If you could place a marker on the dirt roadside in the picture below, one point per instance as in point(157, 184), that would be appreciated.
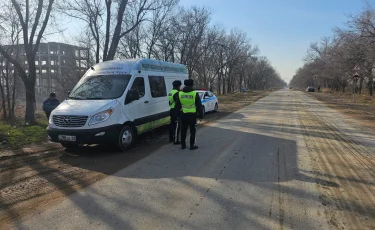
point(35, 177)
point(362, 110)
point(342, 159)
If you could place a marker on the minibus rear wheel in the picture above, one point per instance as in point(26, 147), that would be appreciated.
point(126, 138)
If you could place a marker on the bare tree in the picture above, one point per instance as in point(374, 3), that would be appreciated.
point(156, 26)
point(160, 30)
point(8, 76)
point(92, 13)
point(109, 21)
point(332, 60)
point(33, 17)
point(191, 26)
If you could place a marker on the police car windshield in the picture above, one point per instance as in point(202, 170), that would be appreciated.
point(201, 94)
point(100, 87)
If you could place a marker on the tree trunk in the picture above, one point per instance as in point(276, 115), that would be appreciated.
point(116, 32)
point(15, 73)
point(13, 115)
point(371, 84)
point(150, 49)
point(30, 102)
point(3, 101)
point(4, 91)
point(224, 86)
point(228, 85)
point(240, 81)
point(97, 53)
point(190, 72)
point(172, 53)
point(360, 85)
point(7, 88)
point(219, 84)
point(205, 82)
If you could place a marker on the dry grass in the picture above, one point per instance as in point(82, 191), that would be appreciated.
point(326, 90)
point(235, 97)
point(362, 108)
point(348, 97)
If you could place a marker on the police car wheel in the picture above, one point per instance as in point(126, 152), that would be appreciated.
point(216, 107)
point(203, 110)
point(126, 138)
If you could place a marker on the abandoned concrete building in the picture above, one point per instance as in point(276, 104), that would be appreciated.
point(59, 66)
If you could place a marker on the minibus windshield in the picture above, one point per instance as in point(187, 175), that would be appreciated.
point(100, 87)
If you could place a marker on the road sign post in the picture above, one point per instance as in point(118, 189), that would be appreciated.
point(356, 76)
point(355, 79)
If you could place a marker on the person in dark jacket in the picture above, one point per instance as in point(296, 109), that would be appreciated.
point(174, 126)
point(189, 102)
point(50, 104)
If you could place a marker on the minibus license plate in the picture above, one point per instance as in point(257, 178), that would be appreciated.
point(67, 138)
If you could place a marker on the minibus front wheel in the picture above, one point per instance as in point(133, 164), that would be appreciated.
point(126, 138)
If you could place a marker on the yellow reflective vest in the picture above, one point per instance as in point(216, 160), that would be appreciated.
point(187, 100)
point(171, 94)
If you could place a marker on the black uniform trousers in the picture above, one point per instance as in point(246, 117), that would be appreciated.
point(48, 114)
point(174, 126)
point(188, 120)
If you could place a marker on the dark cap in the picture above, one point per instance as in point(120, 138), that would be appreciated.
point(189, 82)
point(52, 94)
point(177, 83)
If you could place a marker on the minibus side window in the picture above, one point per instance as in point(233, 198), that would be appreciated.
point(139, 85)
point(157, 86)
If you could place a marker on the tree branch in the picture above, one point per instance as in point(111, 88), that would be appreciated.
point(43, 28)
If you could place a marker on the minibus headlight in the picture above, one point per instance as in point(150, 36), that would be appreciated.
point(50, 121)
point(101, 117)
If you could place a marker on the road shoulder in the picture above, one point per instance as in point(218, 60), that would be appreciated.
point(363, 110)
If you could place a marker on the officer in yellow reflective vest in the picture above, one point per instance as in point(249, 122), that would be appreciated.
point(191, 107)
point(174, 126)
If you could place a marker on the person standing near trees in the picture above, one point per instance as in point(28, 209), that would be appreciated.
point(50, 104)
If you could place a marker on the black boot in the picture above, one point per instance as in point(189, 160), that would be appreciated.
point(194, 147)
point(177, 142)
point(183, 146)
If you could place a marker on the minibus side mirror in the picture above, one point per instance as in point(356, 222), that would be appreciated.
point(133, 95)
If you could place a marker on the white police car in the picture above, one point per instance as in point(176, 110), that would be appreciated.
point(209, 101)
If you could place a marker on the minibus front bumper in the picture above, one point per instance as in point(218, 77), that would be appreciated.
point(85, 136)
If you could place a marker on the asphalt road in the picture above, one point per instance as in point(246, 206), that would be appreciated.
point(285, 162)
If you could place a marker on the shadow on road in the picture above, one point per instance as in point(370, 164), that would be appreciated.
point(262, 161)
point(241, 148)
point(109, 159)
